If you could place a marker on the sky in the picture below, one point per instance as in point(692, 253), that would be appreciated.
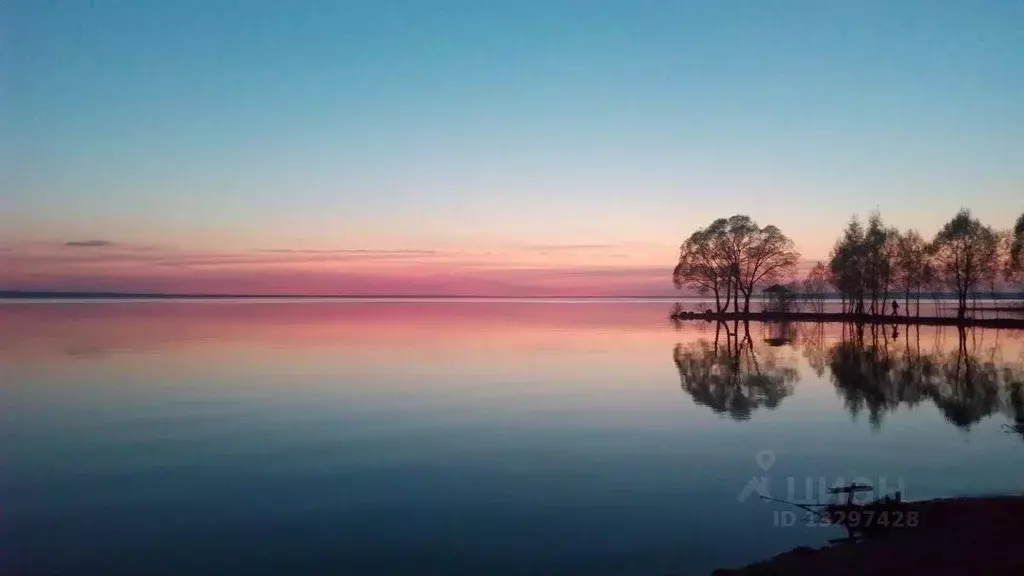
point(503, 148)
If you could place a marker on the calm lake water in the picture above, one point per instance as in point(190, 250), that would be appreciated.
point(440, 437)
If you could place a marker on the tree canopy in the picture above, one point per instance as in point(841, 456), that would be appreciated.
point(732, 257)
point(966, 255)
point(1015, 260)
point(870, 264)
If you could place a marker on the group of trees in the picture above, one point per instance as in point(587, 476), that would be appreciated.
point(733, 257)
point(869, 265)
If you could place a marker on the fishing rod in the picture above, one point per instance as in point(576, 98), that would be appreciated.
point(807, 507)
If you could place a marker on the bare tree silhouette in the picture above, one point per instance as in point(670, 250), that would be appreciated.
point(966, 255)
point(735, 256)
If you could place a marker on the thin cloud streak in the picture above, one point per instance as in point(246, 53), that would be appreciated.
point(89, 244)
point(346, 251)
point(334, 272)
point(568, 247)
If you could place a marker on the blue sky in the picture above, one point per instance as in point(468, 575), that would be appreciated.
point(469, 125)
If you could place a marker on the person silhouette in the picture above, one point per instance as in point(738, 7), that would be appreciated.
point(895, 308)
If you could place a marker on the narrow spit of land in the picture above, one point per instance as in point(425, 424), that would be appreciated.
point(1015, 321)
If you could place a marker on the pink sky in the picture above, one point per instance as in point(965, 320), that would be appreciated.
point(311, 152)
point(514, 270)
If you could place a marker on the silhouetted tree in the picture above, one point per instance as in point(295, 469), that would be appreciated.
point(911, 260)
point(815, 287)
point(761, 256)
point(705, 265)
point(736, 256)
point(878, 255)
point(965, 253)
point(1014, 267)
point(846, 266)
point(932, 281)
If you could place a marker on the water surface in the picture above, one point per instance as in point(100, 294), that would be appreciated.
point(467, 437)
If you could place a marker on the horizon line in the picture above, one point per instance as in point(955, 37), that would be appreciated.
point(40, 294)
point(54, 294)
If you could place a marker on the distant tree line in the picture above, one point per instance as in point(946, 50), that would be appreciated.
point(869, 265)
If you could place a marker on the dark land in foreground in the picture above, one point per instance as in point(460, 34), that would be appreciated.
point(949, 536)
point(1015, 318)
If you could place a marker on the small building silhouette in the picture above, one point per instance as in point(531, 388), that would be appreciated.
point(778, 298)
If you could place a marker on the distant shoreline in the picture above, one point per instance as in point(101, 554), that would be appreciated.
point(54, 295)
point(32, 295)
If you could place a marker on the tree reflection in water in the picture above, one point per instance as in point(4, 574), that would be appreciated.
point(733, 377)
point(812, 343)
point(877, 373)
point(875, 369)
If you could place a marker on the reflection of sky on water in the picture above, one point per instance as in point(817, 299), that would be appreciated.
point(468, 436)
